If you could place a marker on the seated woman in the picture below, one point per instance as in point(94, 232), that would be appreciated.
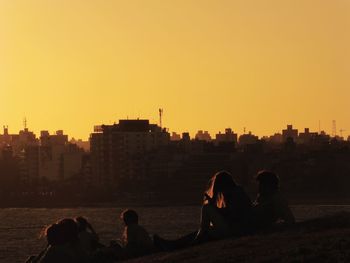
point(225, 211)
point(270, 207)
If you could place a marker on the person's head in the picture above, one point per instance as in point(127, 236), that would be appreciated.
point(82, 223)
point(53, 235)
point(69, 230)
point(268, 182)
point(221, 184)
point(130, 217)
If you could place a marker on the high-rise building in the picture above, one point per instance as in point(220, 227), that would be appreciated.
point(118, 150)
point(290, 133)
point(175, 136)
point(228, 136)
point(203, 136)
point(249, 138)
point(307, 136)
point(59, 159)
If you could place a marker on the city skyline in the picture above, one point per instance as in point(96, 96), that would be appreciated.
point(259, 65)
point(340, 133)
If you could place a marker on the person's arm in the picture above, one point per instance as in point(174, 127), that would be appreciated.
point(209, 199)
point(89, 226)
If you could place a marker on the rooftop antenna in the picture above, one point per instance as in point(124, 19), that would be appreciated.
point(334, 128)
point(25, 123)
point(160, 117)
point(319, 126)
point(244, 130)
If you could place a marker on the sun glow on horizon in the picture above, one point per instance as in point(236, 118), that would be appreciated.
point(73, 64)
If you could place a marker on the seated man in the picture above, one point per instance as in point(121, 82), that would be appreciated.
point(136, 241)
point(270, 206)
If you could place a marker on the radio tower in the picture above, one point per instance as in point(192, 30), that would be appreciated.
point(25, 123)
point(160, 117)
point(334, 128)
point(319, 127)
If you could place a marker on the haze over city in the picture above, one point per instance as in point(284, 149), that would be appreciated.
point(261, 65)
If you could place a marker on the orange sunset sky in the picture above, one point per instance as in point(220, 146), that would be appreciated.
point(72, 64)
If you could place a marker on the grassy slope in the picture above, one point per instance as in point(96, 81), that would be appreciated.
point(320, 240)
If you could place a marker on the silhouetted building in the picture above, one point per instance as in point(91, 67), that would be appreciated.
point(186, 136)
point(290, 133)
point(9, 170)
point(307, 136)
point(29, 164)
point(175, 137)
point(52, 149)
point(276, 138)
point(85, 145)
point(5, 139)
point(185, 142)
point(228, 136)
point(72, 158)
point(20, 141)
point(249, 138)
point(117, 151)
point(203, 136)
point(58, 139)
point(6, 153)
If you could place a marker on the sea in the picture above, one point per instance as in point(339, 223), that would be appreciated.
point(21, 228)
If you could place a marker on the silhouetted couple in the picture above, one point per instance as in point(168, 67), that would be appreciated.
point(228, 211)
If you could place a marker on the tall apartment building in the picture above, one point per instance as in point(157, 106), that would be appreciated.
point(118, 150)
point(228, 136)
point(203, 136)
point(290, 133)
point(59, 159)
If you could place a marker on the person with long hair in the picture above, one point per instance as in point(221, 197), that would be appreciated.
point(226, 208)
point(225, 212)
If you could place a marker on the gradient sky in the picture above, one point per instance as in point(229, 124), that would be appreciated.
point(71, 64)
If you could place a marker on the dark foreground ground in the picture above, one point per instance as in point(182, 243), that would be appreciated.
point(319, 240)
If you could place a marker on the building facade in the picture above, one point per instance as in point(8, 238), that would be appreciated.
point(118, 150)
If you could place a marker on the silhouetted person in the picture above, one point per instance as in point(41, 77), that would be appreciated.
point(225, 213)
point(225, 208)
point(53, 237)
point(87, 236)
point(270, 206)
point(64, 245)
point(136, 240)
